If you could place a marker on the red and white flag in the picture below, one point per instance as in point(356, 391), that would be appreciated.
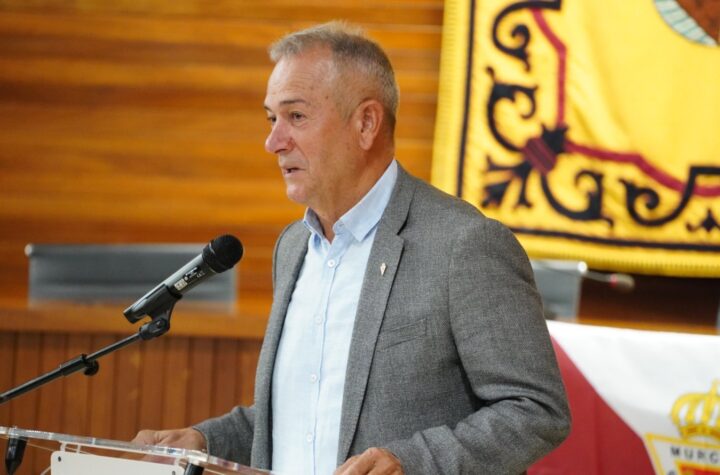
point(642, 402)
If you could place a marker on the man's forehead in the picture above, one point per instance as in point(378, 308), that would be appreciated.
point(300, 77)
point(285, 103)
point(291, 90)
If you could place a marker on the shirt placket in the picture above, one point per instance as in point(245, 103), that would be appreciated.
point(332, 256)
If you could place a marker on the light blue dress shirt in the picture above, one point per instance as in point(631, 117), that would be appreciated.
point(309, 373)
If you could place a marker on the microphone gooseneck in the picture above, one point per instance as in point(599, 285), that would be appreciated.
point(615, 280)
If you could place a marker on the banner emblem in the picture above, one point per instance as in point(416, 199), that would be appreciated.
point(590, 128)
point(697, 452)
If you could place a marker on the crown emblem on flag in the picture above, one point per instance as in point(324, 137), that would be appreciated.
point(698, 414)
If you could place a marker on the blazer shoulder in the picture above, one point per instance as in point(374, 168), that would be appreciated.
point(434, 205)
point(292, 231)
point(293, 236)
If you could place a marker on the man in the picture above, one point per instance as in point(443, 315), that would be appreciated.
point(406, 334)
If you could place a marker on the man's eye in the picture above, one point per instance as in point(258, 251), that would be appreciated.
point(296, 116)
point(272, 120)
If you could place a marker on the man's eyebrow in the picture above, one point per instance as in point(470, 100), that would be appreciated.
point(287, 102)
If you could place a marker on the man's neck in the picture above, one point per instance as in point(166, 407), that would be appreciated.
point(327, 229)
point(328, 218)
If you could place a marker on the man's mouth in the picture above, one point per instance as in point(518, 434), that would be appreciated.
point(290, 170)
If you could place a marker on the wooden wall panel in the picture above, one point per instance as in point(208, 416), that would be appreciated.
point(128, 398)
point(134, 121)
point(26, 363)
point(52, 395)
point(126, 121)
point(154, 374)
point(200, 380)
point(225, 376)
point(101, 404)
point(164, 383)
point(7, 356)
point(75, 413)
point(175, 395)
point(248, 354)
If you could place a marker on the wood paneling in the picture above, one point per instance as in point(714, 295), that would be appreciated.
point(165, 383)
point(142, 121)
point(128, 121)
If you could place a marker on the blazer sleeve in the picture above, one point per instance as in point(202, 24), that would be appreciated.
point(506, 353)
point(230, 436)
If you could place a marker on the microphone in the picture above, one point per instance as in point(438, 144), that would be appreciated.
point(617, 281)
point(221, 254)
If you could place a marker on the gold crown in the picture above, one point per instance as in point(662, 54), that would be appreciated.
point(698, 414)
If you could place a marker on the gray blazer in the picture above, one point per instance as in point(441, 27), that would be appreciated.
point(450, 367)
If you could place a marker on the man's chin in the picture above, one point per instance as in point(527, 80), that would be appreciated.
point(296, 195)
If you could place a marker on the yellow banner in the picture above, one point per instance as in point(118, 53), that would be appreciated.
point(590, 128)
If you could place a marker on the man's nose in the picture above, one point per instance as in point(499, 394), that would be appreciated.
point(279, 138)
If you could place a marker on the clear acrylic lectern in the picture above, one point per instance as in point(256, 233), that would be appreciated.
point(73, 455)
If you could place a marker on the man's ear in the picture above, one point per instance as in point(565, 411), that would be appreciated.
point(369, 117)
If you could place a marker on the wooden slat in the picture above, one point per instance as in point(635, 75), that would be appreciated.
point(128, 397)
point(189, 319)
point(52, 396)
point(225, 376)
point(200, 380)
point(313, 12)
point(77, 390)
point(248, 354)
point(187, 31)
point(166, 39)
point(153, 372)
point(174, 408)
point(8, 341)
point(101, 405)
point(26, 367)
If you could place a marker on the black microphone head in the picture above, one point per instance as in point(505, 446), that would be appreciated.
point(222, 253)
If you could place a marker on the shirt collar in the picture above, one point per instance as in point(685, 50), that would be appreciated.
point(362, 218)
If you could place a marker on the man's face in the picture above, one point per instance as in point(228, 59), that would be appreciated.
point(309, 135)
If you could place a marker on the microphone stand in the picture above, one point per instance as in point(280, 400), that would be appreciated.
point(159, 325)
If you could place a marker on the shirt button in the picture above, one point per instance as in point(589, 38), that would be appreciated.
point(318, 320)
point(309, 437)
point(313, 378)
point(331, 263)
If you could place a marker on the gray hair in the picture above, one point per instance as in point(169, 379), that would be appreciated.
point(351, 50)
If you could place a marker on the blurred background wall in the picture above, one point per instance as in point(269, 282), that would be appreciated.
point(142, 121)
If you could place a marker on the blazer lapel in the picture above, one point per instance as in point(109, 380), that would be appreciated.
point(379, 276)
point(290, 254)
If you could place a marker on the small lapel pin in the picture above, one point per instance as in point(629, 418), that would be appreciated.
point(383, 266)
